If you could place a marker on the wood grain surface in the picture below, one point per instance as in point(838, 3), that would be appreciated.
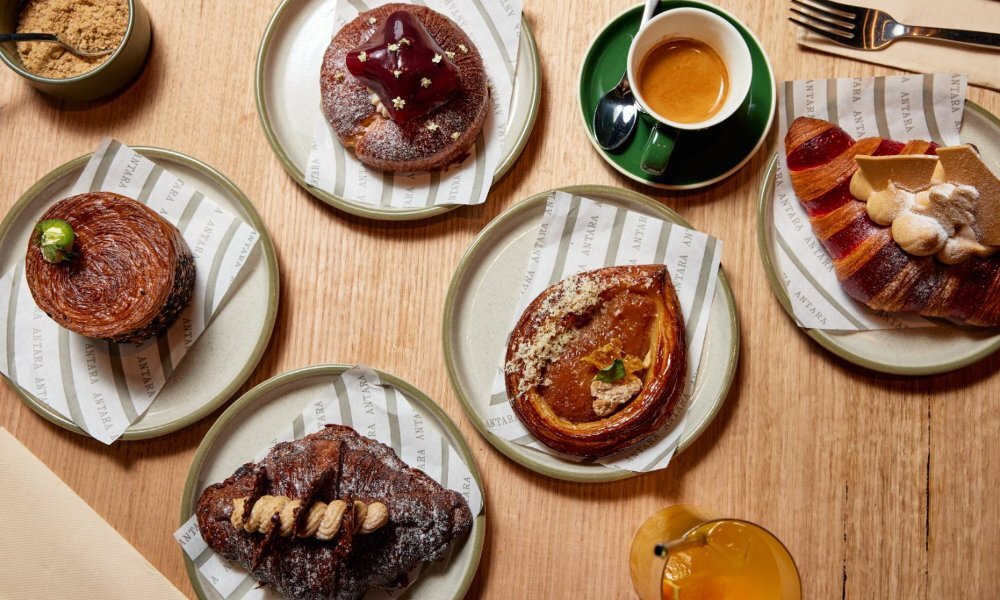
point(882, 487)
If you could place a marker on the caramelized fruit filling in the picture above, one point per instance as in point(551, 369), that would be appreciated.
point(626, 320)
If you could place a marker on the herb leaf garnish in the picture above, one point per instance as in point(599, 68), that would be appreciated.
point(612, 373)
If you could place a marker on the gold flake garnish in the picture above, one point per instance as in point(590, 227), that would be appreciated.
point(463, 48)
point(338, 76)
point(432, 126)
point(425, 82)
point(455, 135)
point(372, 20)
point(436, 59)
point(398, 102)
point(404, 41)
point(392, 48)
point(397, 73)
point(362, 56)
point(450, 53)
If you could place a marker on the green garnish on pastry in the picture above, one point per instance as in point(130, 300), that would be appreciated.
point(55, 238)
point(612, 373)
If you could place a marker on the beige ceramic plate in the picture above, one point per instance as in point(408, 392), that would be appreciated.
point(227, 352)
point(250, 424)
point(288, 100)
point(922, 351)
point(480, 306)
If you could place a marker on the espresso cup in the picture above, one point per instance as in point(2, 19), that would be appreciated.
point(709, 29)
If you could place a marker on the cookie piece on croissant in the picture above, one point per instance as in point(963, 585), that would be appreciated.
point(871, 266)
point(333, 464)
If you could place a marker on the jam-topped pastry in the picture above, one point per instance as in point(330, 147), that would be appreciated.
point(909, 226)
point(106, 266)
point(405, 88)
point(405, 67)
point(597, 361)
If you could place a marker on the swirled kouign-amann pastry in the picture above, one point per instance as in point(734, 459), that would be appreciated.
point(910, 226)
point(597, 362)
point(105, 266)
point(405, 88)
point(331, 516)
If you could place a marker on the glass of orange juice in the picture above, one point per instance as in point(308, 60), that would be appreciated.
point(685, 553)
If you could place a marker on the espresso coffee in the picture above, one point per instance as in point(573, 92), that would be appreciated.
point(683, 80)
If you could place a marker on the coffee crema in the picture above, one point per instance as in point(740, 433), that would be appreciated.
point(683, 80)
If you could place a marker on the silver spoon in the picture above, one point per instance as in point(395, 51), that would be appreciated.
point(616, 113)
point(49, 37)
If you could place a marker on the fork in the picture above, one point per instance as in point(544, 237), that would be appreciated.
point(48, 37)
point(871, 29)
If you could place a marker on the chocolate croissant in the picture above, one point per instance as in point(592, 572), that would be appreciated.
point(331, 516)
point(871, 266)
point(126, 277)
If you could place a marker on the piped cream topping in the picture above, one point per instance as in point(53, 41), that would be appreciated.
point(929, 214)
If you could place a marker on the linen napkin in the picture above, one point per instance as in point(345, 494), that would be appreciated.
point(982, 65)
point(55, 546)
point(579, 234)
point(495, 28)
point(359, 399)
point(104, 387)
point(911, 107)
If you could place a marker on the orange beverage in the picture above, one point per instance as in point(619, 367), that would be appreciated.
point(702, 557)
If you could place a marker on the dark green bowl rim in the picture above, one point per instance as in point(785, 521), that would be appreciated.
point(57, 81)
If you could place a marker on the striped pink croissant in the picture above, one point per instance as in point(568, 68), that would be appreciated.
point(871, 267)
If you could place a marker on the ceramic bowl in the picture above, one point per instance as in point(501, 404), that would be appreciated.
point(109, 77)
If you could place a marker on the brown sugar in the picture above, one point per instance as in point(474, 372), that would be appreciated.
point(90, 25)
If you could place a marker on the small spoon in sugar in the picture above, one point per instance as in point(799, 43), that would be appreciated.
point(50, 37)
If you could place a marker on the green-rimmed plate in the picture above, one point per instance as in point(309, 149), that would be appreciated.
point(251, 423)
point(700, 158)
point(920, 351)
point(227, 352)
point(480, 309)
point(288, 100)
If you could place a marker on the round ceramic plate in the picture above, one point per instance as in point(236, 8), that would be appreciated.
point(215, 367)
point(921, 351)
point(700, 158)
point(251, 423)
point(479, 310)
point(288, 100)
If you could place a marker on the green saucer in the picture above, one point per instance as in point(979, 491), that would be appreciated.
point(700, 158)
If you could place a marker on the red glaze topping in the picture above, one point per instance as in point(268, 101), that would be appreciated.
point(889, 148)
point(405, 67)
point(819, 149)
point(831, 200)
point(847, 239)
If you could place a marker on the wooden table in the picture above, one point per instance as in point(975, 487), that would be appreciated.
point(882, 487)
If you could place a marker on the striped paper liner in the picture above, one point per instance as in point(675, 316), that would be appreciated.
point(909, 107)
point(101, 386)
point(579, 234)
point(495, 28)
point(359, 399)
